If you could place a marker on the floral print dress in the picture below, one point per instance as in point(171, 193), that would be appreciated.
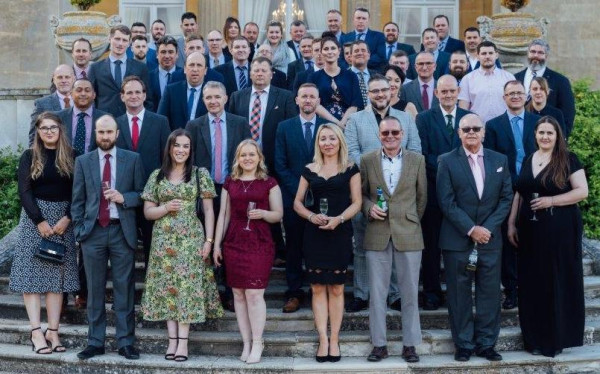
point(179, 285)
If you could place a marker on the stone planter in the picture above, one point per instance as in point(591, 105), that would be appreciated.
point(94, 26)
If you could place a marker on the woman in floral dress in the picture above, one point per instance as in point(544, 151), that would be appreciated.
point(180, 286)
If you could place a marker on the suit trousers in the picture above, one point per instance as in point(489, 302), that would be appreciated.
point(480, 331)
point(361, 275)
point(104, 244)
point(380, 265)
point(145, 233)
point(294, 238)
point(509, 263)
point(432, 254)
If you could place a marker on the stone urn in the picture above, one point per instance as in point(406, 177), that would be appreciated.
point(94, 26)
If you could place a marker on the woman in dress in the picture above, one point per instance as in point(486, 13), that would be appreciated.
point(180, 285)
point(547, 230)
point(282, 53)
point(231, 30)
point(45, 182)
point(334, 182)
point(396, 77)
point(539, 91)
point(338, 88)
point(250, 203)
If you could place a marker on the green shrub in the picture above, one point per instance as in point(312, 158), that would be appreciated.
point(10, 205)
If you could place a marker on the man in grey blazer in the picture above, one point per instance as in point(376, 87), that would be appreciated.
point(362, 136)
point(104, 222)
point(420, 91)
point(393, 236)
point(474, 192)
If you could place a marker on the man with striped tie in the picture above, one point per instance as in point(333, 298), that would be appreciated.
point(81, 53)
point(237, 71)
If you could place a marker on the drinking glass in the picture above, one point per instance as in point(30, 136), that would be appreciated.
point(106, 187)
point(251, 206)
point(534, 195)
point(323, 205)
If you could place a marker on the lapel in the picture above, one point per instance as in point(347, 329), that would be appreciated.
point(371, 121)
point(508, 128)
point(489, 171)
point(244, 104)
point(127, 133)
point(205, 134)
point(106, 70)
point(406, 166)
point(270, 104)
point(466, 167)
point(439, 121)
point(121, 161)
point(94, 165)
point(146, 130)
point(528, 133)
point(69, 125)
point(376, 165)
point(184, 99)
point(298, 133)
point(414, 87)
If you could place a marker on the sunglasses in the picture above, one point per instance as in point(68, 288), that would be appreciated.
point(388, 132)
point(469, 129)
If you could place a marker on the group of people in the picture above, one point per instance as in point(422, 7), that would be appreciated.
point(205, 158)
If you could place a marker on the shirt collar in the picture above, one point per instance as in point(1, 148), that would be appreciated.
point(387, 158)
point(112, 152)
point(444, 113)
point(61, 96)
point(236, 65)
point(189, 86)
point(356, 70)
point(539, 72)
point(479, 152)
point(140, 115)
point(312, 120)
point(211, 118)
point(520, 115)
point(88, 111)
point(445, 40)
point(113, 58)
point(265, 90)
point(164, 72)
point(429, 84)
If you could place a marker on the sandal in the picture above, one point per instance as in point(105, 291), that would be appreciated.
point(39, 350)
point(170, 356)
point(181, 358)
point(58, 348)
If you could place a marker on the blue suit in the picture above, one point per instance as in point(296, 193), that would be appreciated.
point(177, 76)
point(452, 45)
point(442, 65)
point(376, 42)
point(151, 59)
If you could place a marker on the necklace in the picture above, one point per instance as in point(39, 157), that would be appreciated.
point(543, 161)
point(244, 187)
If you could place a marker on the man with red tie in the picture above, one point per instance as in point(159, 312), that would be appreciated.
point(82, 55)
point(420, 91)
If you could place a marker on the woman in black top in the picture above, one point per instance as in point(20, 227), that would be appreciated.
point(45, 181)
point(539, 91)
point(396, 77)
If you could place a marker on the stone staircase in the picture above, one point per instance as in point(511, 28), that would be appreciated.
point(290, 340)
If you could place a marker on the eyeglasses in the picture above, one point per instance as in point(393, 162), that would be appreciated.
point(515, 94)
point(469, 129)
point(388, 132)
point(425, 63)
point(377, 91)
point(47, 130)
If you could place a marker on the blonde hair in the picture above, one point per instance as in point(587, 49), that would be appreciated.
point(64, 152)
point(261, 168)
point(343, 158)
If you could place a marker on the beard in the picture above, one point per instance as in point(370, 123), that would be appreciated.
point(458, 74)
point(536, 65)
point(106, 145)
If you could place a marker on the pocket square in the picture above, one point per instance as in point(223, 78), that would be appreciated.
point(276, 107)
point(499, 170)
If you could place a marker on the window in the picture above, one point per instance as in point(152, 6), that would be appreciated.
point(145, 11)
point(413, 16)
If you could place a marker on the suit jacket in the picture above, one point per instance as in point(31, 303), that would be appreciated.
point(292, 155)
point(229, 75)
point(280, 106)
point(173, 104)
point(177, 76)
point(299, 80)
point(87, 189)
point(435, 141)
point(406, 204)
point(237, 130)
point(561, 95)
point(108, 95)
point(441, 66)
point(66, 116)
point(279, 79)
point(48, 103)
point(376, 42)
point(362, 133)
point(460, 204)
point(499, 138)
point(292, 46)
point(227, 57)
point(151, 59)
point(452, 45)
point(151, 142)
point(294, 68)
point(411, 92)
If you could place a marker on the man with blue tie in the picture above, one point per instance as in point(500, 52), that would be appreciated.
point(374, 39)
point(360, 57)
point(334, 24)
point(304, 63)
point(167, 72)
point(392, 33)
point(447, 43)
point(237, 71)
point(431, 42)
point(297, 32)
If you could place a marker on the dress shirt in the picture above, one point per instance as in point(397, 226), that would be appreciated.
point(472, 61)
point(140, 117)
point(211, 58)
point(430, 89)
point(529, 76)
point(312, 120)
point(114, 213)
point(162, 77)
point(481, 166)
point(197, 96)
point(443, 43)
point(123, 60)
point(224, 164)
point(88, 125)
point(484, 91)
point(264, 97)
point(152, 45)
point(61, 99)
point(392, 168)
point(520, 152)
point(236, 73)
point(452, 113)
point(366, 75)
point(78, 71)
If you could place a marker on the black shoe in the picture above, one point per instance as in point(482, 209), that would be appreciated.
point(536, 351)
point(396, 305)
point(510, 302)
point(90, 351)
point(462, 354)
point(490, 354)
point(335, 358)
point(378, 354)
point(129, 352)
point(430, 304)
point(357, 305)
point(409, 354)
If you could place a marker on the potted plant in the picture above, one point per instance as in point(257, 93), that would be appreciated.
point(513, 5)
point(84, 5)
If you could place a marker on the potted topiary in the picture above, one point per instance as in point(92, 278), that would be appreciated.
point(84, 5)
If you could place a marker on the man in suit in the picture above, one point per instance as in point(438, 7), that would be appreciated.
point(438, 132)
point(81, 53)
point(459, 65)
point(472, 39)
point(304, 63)
point(104, 223)
point(374, 39)
point(188, 26)
point(297, 32)
point(145, 133)
point(392, 32)
point(561, 94)
point(139, 51)
point(431, 44)
point(215, 55)
point(166, 72)
point(447, 43)
point(302, 77)
point(512, 134)
point(279, 78)
point(334, 24)
point(107, 75)
point(360, 58)
point(474, 193)
point(294, 148)
point(362, 137)
point(237, 71)
point(251, 31)
point(393, 237)
point(420, 91)
point(158, 29)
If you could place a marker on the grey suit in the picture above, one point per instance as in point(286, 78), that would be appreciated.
point(47, 103)
point(463, 209)
point(116, 241)
point(411, 92)
point(66, 116)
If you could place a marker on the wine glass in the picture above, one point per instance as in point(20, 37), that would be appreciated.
point(534, 196)
point(251, 206)
point(106, 187)
point(323, 205)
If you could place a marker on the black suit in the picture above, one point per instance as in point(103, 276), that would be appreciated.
point(173, 104)
point(66, 116)
point(294, 68)
point(292, 46)
point(279, 79)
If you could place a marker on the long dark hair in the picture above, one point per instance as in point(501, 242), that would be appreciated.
point(167, 163)
point(64, 153)
point(557, 170)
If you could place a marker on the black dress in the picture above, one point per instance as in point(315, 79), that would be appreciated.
point(327, 253)
point(551, 299)
point(400, 105)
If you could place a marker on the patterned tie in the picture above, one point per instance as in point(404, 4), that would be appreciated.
point(477, 174)
point(242, 77)
point(363, 87)
point(442, 46)
point(425, 97)
point(255, 117)
point(390, 51)
point(449, 125)
point(360, 36)
point(118, 74)
point(309, 65)
point(308, 134)
point(518, 135)
point(190, 103)
point(79, 141)
point(218, 150)
point(534, 74)
point(215, 62)
point(135, 133)
point(83, 74)
point(67, 102)
point(104, 214)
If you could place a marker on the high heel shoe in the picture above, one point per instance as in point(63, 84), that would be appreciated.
point(170, 356)
point(245, 352)
point(255, 358)
point(59, 348)
point(39, 350)
point(180, 358)
point(321, 359)
point(335, 358)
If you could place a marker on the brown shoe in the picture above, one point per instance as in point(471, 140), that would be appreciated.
point(409, 354)
point(279, 263)
point(291, 305)
point(80, 302)
point(378, 354)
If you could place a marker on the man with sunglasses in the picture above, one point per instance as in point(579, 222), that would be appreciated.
point(474, 192)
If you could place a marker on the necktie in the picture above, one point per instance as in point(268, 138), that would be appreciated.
point(363, 87)
point(67, 102)
point(168, 78)
point(442, 46)
point(360, 36)
point(308, 134)
point(135, 133)
point(534, 74)
point(477, 174)
point(389, 52)
point(242, 77)
point(449, 125)
point(518, 135)
point(309, 65)
point(255, 117)
point(83, 74)
point(118, 74)
point(215, 62)
point(218, 150)
point(191, 102)
point(104, 214)
point(79, 140)
point(425, 97)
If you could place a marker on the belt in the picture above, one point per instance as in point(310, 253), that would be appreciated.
point(112, 221)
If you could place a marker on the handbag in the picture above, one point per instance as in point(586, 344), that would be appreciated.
point(199, 203)
point(51, 252)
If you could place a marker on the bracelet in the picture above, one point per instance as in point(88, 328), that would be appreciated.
point(310, 216)
point(342, 218)
point(210, 240)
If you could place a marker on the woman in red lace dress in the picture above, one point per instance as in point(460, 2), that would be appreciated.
point(252, 202)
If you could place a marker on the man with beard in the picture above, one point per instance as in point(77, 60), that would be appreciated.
point(391, 32)
point(81, 53)
point(561, 94)
point(362, 136)
point(104, 223)
point(157, 30)
point(237, 71)
point(139, 51)
point(188, 26)
point(458, 65)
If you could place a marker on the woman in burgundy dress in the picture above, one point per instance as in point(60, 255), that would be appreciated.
point(252, 202)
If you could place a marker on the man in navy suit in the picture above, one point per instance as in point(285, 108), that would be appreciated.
point(512, 134)
point(81, 53)
point(561, 94)
point(294, 148)
point(392, 33)
point(167, 72)
point(188, 26)
point(420, 91)
point(304, 63)
point(431, 43)
point(215, 55)
point(374, 39)
point(302, 77)
point(447, 43)
point(279, 77)
point(297, 32)
point(107, 75)
point(236, 72)
point(334, 24)
point(438, 129)
point(139, 51)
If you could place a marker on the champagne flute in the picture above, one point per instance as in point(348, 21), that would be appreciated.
point(106, 187)
point(251, 206)
point(323, 206)
point(534, 196)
